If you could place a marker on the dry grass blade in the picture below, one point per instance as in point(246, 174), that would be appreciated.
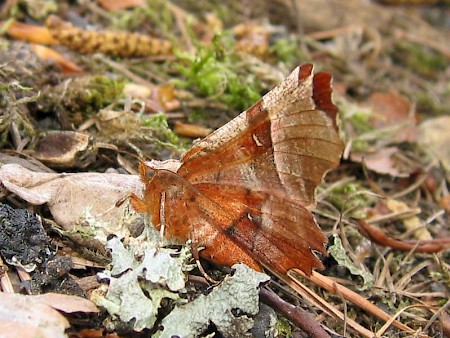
point(325, 306)
point(349, 295)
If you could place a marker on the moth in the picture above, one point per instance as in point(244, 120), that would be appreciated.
point(245, 192)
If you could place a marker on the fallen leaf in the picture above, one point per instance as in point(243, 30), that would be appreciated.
point(65, 303)
point(45, 53)
point(444, 320)
point(383, 161)
point(392, 108)
point(434, 137)
point(412, 224)
point(445, 203)
point(65, 149)
point(31, 33)
point(137, 90)
point(68, 196)
point(190, 130)
point(116, 5)
point(252, 38)
point(20, 314)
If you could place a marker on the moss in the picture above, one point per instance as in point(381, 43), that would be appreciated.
point(213, 73)
point(85, 95)
point(287, 51)
point(14, 99)
point(196, 116)
point(92, 93)
point(428, 105)
point(284, 328)
point(160, 127)
point(351, 197)
point(420, 59)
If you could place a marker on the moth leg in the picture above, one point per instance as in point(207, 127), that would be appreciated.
point(195, 250)
point(162, 218)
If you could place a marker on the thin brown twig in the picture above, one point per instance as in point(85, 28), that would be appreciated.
point(299, 317)
point(5, 281)
point(350, 295)
point(424, 246)
point(322, 304)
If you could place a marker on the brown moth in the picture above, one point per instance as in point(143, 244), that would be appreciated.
point(245, 192)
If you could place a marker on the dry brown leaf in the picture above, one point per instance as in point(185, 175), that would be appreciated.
point(445, 203)
point(31, 33)
point(382, 161)
point(164, 97)
point(22, 316)
point(117, 5)
point(391, 109)
point(444, 320)
point(434, 136)
point(191, 130)
point(252, 39)
point(137, 90)
point(65, 149)
point(65, 303)
point(45, 53)
point(68, 196)
point(412, 224)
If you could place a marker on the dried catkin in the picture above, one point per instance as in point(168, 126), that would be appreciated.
point(123, 44)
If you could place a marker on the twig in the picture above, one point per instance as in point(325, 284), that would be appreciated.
point(437, 314)
point(299, 317)
point(307, 294)
point(392, 319)
point(120, 68)
point(423, 246)
point(5, 282)
point(348, 294)
point(394, 216)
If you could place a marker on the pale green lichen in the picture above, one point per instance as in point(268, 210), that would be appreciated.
point(158, 269)
point(339, 254)
point(237, 293)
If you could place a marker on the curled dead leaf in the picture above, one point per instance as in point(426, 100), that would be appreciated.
point(68, 196)
point(434, 136)
point(191, 130)
point(66, 149)
point(46, 53)
point(31, 33)
point(117, 5)
point(390, 109)
point(384, 161)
